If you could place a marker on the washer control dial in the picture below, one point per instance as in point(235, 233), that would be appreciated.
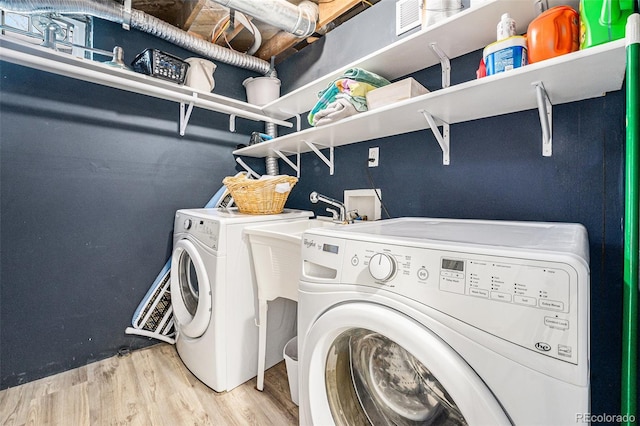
point(382, 266)
point(187, 224)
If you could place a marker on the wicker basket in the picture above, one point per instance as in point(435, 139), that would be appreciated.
point(259, 196)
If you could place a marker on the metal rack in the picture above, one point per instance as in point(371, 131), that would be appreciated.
point(540, 85)
point(50, 60)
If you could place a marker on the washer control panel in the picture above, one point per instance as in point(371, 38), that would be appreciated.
point(526, 301)
point(204, 230)
point(542, 287)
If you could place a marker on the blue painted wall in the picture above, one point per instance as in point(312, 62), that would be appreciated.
point(90, 180)
point(91, 177)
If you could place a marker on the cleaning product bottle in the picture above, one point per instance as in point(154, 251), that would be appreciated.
point(602, 21)
point(506, 27)
point(554, 32)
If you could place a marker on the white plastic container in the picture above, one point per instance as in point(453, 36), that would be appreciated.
point(200, 74)
point(394, 92)
point(438, 10)
point(506, 27)
point(262, 90)
point(505, 55)
point(290, 353)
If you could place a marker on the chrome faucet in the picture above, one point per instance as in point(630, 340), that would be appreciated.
point(339, 215)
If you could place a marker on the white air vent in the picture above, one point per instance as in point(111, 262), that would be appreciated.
point(407, 15)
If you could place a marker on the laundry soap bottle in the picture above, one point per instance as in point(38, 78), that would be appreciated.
point(508, 52)
point(506, 27)
point(602, 21)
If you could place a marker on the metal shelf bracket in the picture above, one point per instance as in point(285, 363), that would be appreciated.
point(327, 161)
point(298, 123)
point(127, 15)
point(250, 171)
point(295, 166)
point(232, 123)
point(445, 64)
point(186, 114)
point(546, 118)
point(442, 138)
point(296, 115)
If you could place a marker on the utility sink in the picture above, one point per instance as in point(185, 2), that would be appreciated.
point(275, 249)
point(287, 231)
point(275, 254)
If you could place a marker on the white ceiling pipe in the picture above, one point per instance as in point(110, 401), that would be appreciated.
point(300, 20)
point(115, 12)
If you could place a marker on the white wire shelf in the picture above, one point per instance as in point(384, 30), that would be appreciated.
point(462, 33)
point(572, 77)
point(49, 60)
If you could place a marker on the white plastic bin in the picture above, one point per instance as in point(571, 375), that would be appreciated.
point(290, 353)
point(262, 90)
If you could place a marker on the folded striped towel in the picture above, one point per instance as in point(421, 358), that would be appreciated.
point(365, 76)
point(352, 85)
point(337, 110)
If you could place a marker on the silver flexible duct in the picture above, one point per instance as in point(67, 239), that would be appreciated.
point(108, 10)
point(115, 12)
point(152, 25)
point(271, 163)
point(300, 20)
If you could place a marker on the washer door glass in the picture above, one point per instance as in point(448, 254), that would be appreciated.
point(188, 279)
point(190, 290)
point(364, 363)
point(373, 380)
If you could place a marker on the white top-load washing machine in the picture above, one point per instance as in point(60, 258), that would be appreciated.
point(440, 321)
point(214, 297)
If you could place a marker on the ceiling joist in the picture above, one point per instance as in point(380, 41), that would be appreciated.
point(206, 18)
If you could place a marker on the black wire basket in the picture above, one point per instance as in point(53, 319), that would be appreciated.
point(162, 65)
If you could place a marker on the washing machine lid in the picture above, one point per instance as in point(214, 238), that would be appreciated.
point(366, 363)
point(569, 238)
point(191, 296)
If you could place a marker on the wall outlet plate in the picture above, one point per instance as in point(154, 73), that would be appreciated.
point(374, 157)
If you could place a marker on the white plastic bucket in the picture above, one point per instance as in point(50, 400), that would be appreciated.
point(200, 74)
point(290, 353)
point(262, 90)
point(505, 55)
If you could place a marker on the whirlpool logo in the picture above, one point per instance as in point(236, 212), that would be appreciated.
point(544, 347)
point(309, 243)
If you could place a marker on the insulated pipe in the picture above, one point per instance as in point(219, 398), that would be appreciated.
point(300, 20)
point(271, 163)
point(152, 25)
point(257, 37)
point(111, 11)
point(631, 229)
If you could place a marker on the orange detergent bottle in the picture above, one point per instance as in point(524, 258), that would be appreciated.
point(553, 33)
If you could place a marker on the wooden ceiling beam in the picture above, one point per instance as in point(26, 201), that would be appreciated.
point(190, 11)
point(284, 40)
point(332, 10)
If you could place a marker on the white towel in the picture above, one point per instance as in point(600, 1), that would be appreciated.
point(335, 111)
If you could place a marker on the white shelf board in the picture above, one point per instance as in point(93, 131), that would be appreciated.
point(462, 33)
point(49, 60)
point(579, 75)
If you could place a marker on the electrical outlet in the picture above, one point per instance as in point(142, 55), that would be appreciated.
point(374, 156)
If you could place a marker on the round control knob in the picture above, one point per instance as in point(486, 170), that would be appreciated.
point(187, 224)
point(382, 266)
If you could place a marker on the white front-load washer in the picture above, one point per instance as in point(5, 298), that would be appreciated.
point(214, 297)
point(440, 321)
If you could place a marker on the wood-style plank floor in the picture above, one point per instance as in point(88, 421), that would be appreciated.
point(149, 387)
